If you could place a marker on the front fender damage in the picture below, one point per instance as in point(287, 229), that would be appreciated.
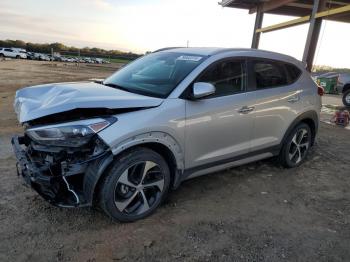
point(156, 137)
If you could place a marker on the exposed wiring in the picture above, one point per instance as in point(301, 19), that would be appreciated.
point(71, 190)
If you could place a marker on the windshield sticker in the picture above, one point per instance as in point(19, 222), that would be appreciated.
point(189, 58)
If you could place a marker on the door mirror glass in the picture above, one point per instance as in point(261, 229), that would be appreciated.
point(202, 89)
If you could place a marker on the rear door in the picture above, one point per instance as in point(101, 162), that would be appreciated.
point(277, 101)
point(218, 127)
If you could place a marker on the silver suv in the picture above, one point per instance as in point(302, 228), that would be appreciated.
point(175, 114)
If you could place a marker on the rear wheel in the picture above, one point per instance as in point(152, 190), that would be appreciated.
point(296, 146)
point(1, 55)
point(18, 57)
point(346, 98)
point(135, 186)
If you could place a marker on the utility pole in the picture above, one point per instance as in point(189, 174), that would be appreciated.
point(52, 55)
point(188, 43)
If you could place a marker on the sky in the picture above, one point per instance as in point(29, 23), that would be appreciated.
point(147, 25)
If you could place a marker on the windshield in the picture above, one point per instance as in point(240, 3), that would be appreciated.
point(155, 74)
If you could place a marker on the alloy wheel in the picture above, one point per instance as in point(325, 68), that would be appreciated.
point(139, 188)
point(347, 98)
point(299, 146)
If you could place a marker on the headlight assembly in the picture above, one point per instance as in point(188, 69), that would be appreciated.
point(73, 135)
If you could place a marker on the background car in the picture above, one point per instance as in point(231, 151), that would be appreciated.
point(12, 53)
point(41, 57)
point(343, 87)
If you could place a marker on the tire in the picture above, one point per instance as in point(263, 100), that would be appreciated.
point(126, 194)
point(18, 57)
point(1, 55)
point(291, 154)
point(346, 98)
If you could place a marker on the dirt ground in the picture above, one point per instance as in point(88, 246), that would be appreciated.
point(257, 212)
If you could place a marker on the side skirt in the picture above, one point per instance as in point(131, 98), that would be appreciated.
point(231, 162)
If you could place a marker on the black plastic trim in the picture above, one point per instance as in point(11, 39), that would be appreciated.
point(274, 150)
point(93, 174)
point(312, 115)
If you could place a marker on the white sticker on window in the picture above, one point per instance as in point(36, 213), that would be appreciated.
point(189, 58)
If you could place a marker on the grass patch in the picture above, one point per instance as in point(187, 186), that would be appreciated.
point(119, 60)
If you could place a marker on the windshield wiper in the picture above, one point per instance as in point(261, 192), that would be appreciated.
point(116, 86)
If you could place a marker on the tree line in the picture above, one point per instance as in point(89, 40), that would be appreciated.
point(67, 50)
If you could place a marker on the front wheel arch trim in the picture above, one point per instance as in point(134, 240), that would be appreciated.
point(346, 88)
point(153, 137)
point(97, 168)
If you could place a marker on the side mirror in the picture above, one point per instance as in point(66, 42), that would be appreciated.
point(202, 89)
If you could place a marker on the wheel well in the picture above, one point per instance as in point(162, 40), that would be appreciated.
point(166, 153)
point(312, 126)
point(346, 88)
point(161, 149)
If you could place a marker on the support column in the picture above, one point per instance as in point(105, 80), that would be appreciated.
point(313, 34)
point(258, 23)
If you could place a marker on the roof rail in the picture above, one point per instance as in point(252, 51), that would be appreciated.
point(167, 48)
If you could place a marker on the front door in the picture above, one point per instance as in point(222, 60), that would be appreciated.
point(219, 127)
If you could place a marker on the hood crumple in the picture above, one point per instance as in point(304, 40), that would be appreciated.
point(43, 100)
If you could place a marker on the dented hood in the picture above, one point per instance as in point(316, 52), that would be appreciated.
point(43, 100)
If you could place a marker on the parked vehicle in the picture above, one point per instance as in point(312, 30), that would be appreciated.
point(12, 53)
point(166, 117)
point(99, 60)
point(41, 57)
point(31, 55)
point(343, 87)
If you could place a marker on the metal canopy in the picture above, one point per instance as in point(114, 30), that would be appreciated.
point(289, 7)
point(307, 11)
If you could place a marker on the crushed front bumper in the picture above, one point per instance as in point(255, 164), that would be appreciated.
point(53, 188)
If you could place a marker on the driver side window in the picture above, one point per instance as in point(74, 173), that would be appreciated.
point(227, 77)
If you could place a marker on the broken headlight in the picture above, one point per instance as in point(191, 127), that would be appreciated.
point(72, 134)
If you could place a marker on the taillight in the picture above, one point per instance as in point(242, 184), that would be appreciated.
point(320, 90)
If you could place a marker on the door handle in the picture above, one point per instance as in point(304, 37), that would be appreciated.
point(294, 99)
point(246, 109)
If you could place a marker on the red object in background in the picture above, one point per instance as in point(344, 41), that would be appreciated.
point(341, 118)
point(320, 90)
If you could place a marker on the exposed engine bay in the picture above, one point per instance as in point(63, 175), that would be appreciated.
point(54, 158)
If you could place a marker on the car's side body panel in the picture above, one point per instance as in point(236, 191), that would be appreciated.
point(212, 130)
point(164, 124)
point(216, 130)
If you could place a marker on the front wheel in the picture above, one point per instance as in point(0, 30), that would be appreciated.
point(296, 146)
point(135, 186)
point(346, 98)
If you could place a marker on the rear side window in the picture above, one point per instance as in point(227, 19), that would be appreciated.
point(8, 50)
point(293, 73)
point(269, 74)
point(227, 77)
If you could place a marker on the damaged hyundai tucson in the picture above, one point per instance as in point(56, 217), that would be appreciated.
point(177, 113)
